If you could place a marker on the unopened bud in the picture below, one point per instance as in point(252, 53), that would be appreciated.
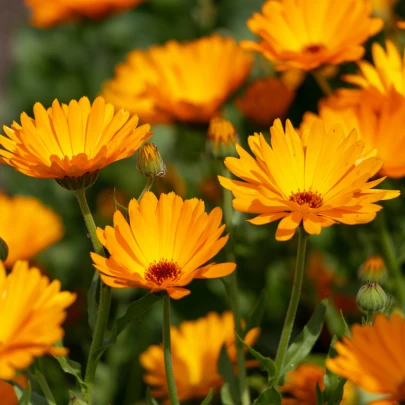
point(150, 163)
point(221, 138)
point(3, 250)
point(371, 298)
point(373, 269)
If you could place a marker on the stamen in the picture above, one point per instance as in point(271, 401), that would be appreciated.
point(158, 272)
point(313, 49)
point(314, 200)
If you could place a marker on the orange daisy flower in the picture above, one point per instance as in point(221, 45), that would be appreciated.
point(296, 34)
point(196, 346)
point(32, 310)
point(373, 358)
point(71, 141)
point(164, 246)
point(318, 184)
point(27, 226)
point(47, 13)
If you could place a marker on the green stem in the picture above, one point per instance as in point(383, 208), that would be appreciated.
point(370, 317)
point(105, 298)
point(294, 300)
point(393, 267)
point(40, 377)
point(233, 291)
point(147, 187)
point(322, 83)
point(168, 352)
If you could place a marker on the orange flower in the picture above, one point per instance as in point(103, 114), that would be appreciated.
point(318, 184)
point(31, 310)
point(47, 13)
point(221, 137)
point(373, 358)
point(265, 100)
point(182, 81)
point(27, 226)
point(164, 247)
point(71, 141)
point(294, 33)
point(373, 270)
point(7, 393)
point(196, 346)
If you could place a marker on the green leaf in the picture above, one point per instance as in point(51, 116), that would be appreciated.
point(92, 307)
point(75, 399)
point(319, 395)
point(23, 395)
point(346, 326)
point(269, 397)
point(226, 398)
point(225, 368)
point(257, 314)
point(149, 398)
point(208, 398)
point(266, 363)
point(305, 341)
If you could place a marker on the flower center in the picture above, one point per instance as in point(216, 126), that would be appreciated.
point(163, 270)
point(313, 49)
point(314, 200)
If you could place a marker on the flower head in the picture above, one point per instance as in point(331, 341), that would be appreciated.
point(31, 310)
point(150, 163)
point(70, 141)
point(265, 100)
point(221, 137)
point(373, 358)
point(294, 33)
point(319, 184)
point(196, 347)
point(373, 269)
point(27, 226)
point(184, 81)
point(371, 298)
point(164, 247)
point(47, 13)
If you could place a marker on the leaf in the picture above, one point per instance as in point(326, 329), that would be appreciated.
point(92, 306)
point(268, 397)
point(208, 398)
point(225, 368)
point(266, 363)
point(226, 398)
point(305, 341)
point(257, 314)
point(319, 395)
point(75, 399)
point(23, 395)
point(149, 398)
point(346, 326)
point(337, 394)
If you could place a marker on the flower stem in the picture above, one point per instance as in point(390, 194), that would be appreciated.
point(370, 317)
point(168, 352)
point(388, 249)
point(105, 298)
point(233, 292)
point(322, 83)
point(40, 377)
point(294, 300)
point(147, 187)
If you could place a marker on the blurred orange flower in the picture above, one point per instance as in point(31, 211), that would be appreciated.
point(27, 226)
point(187, 81)
point(265, 100)
point(32, 310)
point(47, 13)
point(299, 34)
point(318, 184)
point(7, 393)
point(196, 346)
point(373, 358)
point(71, 141)
point(164, 247)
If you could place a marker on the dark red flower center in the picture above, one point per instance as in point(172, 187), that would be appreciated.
point(163, 270)
point(314, 200)
point(313, 49)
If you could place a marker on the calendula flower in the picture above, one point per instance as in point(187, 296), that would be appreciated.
point(373, 269)
point(295, 33)
point(196, 347)
point(187, 81)
point(380, 130)
point(221, 137)
point(7, 393)
point(377, 81)
point(71, 142)
point(373, 358)
point(265, 100)
point(320, 184)
point(47, 13)
point(164, 246)
point(300, 386)
point(32, 310)
point(27, 226)
point(150, 163)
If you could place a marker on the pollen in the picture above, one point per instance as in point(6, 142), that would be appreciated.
point(163, 270)
point(314, 200)
point(313, 49)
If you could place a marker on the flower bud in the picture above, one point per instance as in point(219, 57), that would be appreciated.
point(373, 269)
point(371, 298)
point(3, 250)
point(150, 163)
point(221, 138)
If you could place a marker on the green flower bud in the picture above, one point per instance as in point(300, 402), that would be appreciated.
point(371, 298)
point(150, 163)
point(221, 138)
point(3, 250)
